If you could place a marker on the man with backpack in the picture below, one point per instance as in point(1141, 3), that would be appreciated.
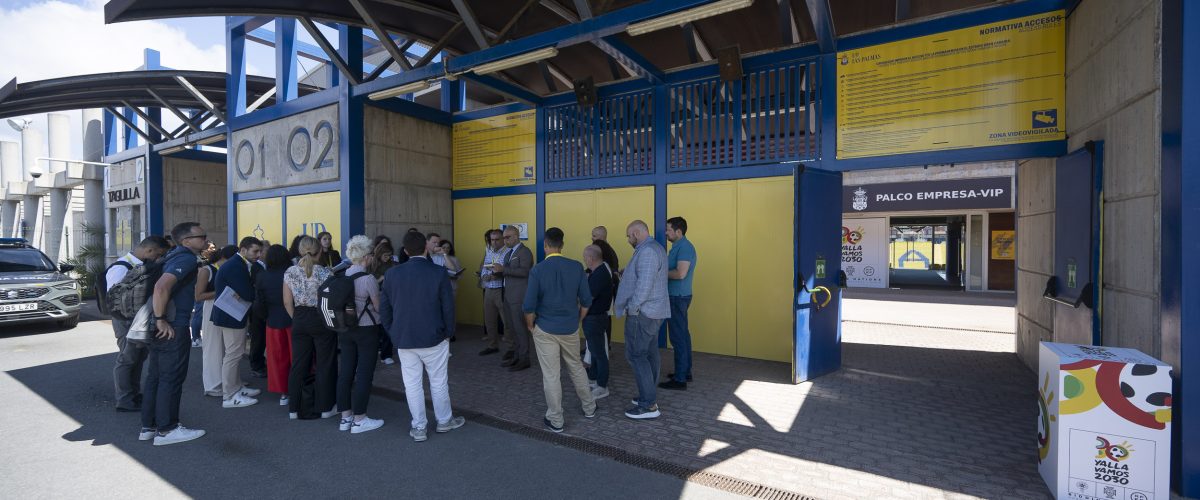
point(127, 374)
point(170, 345)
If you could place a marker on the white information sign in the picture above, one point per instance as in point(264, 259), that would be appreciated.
point(864, 252)
point(1104, 423)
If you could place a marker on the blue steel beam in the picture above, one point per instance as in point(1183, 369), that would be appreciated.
point(286, 78)
point(585, 31)
point(626, 55)
point(337, 60)
point(510, 90)
point(822, 19)
point(468, 18)
point(235, 65)
point(381, 34)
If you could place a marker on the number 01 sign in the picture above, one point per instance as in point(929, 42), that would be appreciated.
point(295, 150)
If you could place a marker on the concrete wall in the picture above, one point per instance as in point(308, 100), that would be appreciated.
point(1113, 86)
point(408, 175)
point(195, 191)
point(931, 173)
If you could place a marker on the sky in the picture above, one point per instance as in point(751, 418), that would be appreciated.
point(49, 39)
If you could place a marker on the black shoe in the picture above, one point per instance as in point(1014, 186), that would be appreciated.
point(258, 374)
point(673, 385)
point(508, 362)
point(453, 339)
point(510, 355)
point(122, 409)
point(550, 427)
point(516, 367)
point(490, 350)
point(672, 377)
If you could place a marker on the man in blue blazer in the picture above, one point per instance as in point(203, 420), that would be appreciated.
point(234, 274)
point(418, 313)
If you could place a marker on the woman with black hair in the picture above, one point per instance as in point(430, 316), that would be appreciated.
point(269, 300)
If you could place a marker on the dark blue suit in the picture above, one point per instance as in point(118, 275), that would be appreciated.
point(418, 304)
point(234, 273)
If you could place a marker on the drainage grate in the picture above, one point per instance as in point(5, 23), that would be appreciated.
point(709, 479)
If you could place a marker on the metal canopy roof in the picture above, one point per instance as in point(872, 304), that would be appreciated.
point(136, 88)
point(459, 26)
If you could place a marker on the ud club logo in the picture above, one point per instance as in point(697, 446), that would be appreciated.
point(860, 200)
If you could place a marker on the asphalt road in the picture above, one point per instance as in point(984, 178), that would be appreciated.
point(61, 438)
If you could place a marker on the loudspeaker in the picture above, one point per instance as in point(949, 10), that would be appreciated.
point(585, 92)
point(729, 61)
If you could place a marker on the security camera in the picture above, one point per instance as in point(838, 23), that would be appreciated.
point(35, 175)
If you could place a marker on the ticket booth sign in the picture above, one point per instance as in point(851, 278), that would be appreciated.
point(1104, 423)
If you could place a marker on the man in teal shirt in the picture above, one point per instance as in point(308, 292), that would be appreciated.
point(681, 266)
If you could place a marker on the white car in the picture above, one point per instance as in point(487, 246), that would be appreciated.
point(33, 289)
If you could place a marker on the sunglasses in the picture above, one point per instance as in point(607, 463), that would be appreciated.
point(202, 236)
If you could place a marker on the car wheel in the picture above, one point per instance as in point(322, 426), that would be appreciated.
point(69, 323)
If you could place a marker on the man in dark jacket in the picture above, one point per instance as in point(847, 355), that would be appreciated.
point(418, 313)
point(234, 275)
point(515, 270)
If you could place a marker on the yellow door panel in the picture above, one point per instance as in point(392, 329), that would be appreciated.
point(517, 209)
point(310, 214)
point(765, 269)
point(262, 219)
point(615, 209)
point(710, 209)
point(471, 218)
point(573, 212)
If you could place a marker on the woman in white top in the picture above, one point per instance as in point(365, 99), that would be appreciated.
point(358, 345)
point(212, 349)
point(310, 338)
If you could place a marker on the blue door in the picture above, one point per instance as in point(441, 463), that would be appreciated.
point(818, 336)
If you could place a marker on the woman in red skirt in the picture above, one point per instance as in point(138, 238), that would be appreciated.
point(279, 323)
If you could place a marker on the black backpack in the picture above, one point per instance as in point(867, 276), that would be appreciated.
point(335, 298)
point(134, 290)
point(101, 285)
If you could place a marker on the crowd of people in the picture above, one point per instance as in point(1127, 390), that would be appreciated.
point(403, 310)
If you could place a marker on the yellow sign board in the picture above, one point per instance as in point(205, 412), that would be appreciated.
point(495, 152)
point(990, 85)
point(1004, 245)
point(310, 214)
point(262, 219)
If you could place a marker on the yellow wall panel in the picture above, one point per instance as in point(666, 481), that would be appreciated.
point(765, 215)
point(615, 209)
point(575, 213)
point(710, 209)
point(262, 219)
point(311, 214)
point(471, 218)
point(517, 209)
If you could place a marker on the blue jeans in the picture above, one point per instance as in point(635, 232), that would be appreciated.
point(681, 336)
point(594, 332)
point(641, 349)
point(197, 320)
point(167, 368)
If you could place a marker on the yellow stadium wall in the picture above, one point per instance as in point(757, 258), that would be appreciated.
point(471, 218)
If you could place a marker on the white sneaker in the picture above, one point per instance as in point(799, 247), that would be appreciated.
point(147, 434)
point(389, 361)
point(177, 435)
point(345, 423)
point(196, 343)
point(293, 416)
point(366, 424)
point(449, 425)
point(599, 392)
point(330, 413)
point(418, 434)
point(238, 401)
point(283, 401)
point(250, 391)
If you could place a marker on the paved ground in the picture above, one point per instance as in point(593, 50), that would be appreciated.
point(923, 411)
point(61, 439)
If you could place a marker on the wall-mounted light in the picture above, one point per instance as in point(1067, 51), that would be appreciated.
point(687, 16)
point(399, 91)
point(512, 62)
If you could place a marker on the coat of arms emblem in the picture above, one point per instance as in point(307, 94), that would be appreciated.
point(860, 200)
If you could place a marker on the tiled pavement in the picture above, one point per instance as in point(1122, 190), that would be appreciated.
point(902, 419)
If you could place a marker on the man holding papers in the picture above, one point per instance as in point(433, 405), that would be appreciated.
point(234, 291)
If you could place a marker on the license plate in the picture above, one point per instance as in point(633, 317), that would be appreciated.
point(4, 308)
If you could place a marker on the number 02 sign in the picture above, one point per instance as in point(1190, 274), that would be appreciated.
point(298, 149)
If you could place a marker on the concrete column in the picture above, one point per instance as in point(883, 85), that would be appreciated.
point(58, 129)
point(32, 146)
point(10, 171)
point(94, 212)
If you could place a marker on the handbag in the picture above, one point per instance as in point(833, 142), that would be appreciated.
point(143, 328)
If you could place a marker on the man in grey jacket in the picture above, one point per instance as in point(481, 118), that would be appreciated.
point(515, 269)
point(642, 299)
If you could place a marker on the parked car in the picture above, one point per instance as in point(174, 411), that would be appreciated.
point(33, 289)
